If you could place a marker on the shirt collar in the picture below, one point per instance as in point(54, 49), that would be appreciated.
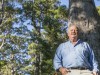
point(78, 41)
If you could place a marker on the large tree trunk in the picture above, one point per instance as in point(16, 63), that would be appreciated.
point(84, 14)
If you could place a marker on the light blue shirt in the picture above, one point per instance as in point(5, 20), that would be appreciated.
point(78, 55)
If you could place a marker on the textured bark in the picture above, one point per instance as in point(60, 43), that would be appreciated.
point(84, 14)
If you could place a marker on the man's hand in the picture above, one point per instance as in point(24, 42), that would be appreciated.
point(95, 73)
point(63, 70)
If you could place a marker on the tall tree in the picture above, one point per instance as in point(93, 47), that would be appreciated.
point(84, 14)
point(46, 17)
point(13, 45)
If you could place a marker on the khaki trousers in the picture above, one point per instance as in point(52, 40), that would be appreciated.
point(79, 72)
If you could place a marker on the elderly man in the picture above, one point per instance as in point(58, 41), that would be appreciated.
point(75, 57)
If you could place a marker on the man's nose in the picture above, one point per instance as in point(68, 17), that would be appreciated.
point(73, 31)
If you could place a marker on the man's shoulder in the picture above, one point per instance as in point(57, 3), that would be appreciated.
point(64, 43)
point(84, 42)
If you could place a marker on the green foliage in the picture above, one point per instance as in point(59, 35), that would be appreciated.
point(46, 40)
point(13, 41)
point(2, 63)
point(98, 9)
point(31, 51)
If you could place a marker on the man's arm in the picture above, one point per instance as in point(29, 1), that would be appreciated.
point(95, 73)
point(93, 61)
point(95, 64)
point(57, 62)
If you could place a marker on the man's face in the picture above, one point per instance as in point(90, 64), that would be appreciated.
point(73, 33)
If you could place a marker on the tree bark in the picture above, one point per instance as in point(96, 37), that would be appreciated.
point(84, 14)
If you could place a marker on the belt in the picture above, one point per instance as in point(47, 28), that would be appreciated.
point(79, 68)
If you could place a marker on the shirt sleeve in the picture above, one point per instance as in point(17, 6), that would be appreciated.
point(57, 62)
point(93, 60)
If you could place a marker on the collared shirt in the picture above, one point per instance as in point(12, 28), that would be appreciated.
point(79, 55)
